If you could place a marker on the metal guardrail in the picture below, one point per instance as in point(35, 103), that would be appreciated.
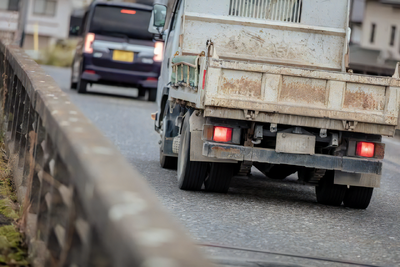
point(84, 205)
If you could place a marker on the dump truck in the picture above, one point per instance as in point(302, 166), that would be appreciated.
point(266, 83)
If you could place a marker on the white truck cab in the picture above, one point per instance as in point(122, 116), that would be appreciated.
point(266, 83)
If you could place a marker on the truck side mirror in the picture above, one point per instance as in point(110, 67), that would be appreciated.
point(157, 21)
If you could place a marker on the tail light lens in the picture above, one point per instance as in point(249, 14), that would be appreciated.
point(158, 51)
point(90, 72)
point(222, 134)
point(128, 11)
point(365, 149)
point(89, 42)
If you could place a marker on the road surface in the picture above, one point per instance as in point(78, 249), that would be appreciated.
point(257, 213)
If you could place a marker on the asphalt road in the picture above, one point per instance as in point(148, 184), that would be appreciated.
point(257, 213)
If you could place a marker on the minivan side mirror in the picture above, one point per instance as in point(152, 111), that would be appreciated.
point(158, 17)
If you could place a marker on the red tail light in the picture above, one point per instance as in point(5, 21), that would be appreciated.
point(365, 149)
point(158, 51)
point(90, 72)
point(222, 134)
point(89, 42)
point(151, 79)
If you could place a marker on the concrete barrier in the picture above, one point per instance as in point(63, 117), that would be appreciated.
point(84, 205)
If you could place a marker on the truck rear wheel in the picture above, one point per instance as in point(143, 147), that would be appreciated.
point(191, 174)
point(329, 193)
point(358, 197)
point(219, 178)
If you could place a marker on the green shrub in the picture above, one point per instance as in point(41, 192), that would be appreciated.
point(59, 55)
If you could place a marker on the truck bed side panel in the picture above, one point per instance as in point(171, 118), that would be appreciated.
point(289, 93)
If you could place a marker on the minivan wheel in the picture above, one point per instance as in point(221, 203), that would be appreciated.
point(73, 85)
point(191, 174)
point(82, 85)
point(152, 95)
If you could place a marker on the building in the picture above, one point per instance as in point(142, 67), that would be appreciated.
point(50, 18)
point(375, 40)
point(8, 18)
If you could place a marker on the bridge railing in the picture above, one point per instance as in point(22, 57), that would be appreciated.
point(84, 205)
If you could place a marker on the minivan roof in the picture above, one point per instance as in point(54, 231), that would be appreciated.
point(120, 4)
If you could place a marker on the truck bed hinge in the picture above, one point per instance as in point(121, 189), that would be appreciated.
point(350, 125)
point(250, 114)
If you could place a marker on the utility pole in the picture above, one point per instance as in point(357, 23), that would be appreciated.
point(23, 13)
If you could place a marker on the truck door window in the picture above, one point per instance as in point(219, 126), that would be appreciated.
point(175, 17)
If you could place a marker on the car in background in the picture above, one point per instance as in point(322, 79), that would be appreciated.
point(116, 48)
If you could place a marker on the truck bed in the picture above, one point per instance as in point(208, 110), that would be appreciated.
point(294, 96)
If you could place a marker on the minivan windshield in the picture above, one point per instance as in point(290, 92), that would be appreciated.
point(121, 22)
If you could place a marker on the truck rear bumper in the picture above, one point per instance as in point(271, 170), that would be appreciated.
point(318, 161)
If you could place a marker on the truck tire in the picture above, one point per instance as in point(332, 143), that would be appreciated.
point(329, 193)
point(82, 85)
point(219, 178)
point(168, 162)
point(191, 174)
point(358, 197)
point(280, 172)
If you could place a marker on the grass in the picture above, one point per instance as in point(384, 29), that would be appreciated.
point(60, 55)
point(13, 251)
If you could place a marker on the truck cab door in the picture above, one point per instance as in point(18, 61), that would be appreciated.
point(171, 47)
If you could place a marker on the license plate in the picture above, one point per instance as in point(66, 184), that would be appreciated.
point(295, 143)
point(124, 56)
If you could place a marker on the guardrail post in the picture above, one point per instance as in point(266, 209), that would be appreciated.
point(17, 120)
point(10, 93)
point(24, 136)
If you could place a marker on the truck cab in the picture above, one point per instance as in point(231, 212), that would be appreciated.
point(265, 83)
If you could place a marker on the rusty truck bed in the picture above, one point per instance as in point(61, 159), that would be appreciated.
point(313, 98)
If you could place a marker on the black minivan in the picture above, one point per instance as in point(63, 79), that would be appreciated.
point(116, 48)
